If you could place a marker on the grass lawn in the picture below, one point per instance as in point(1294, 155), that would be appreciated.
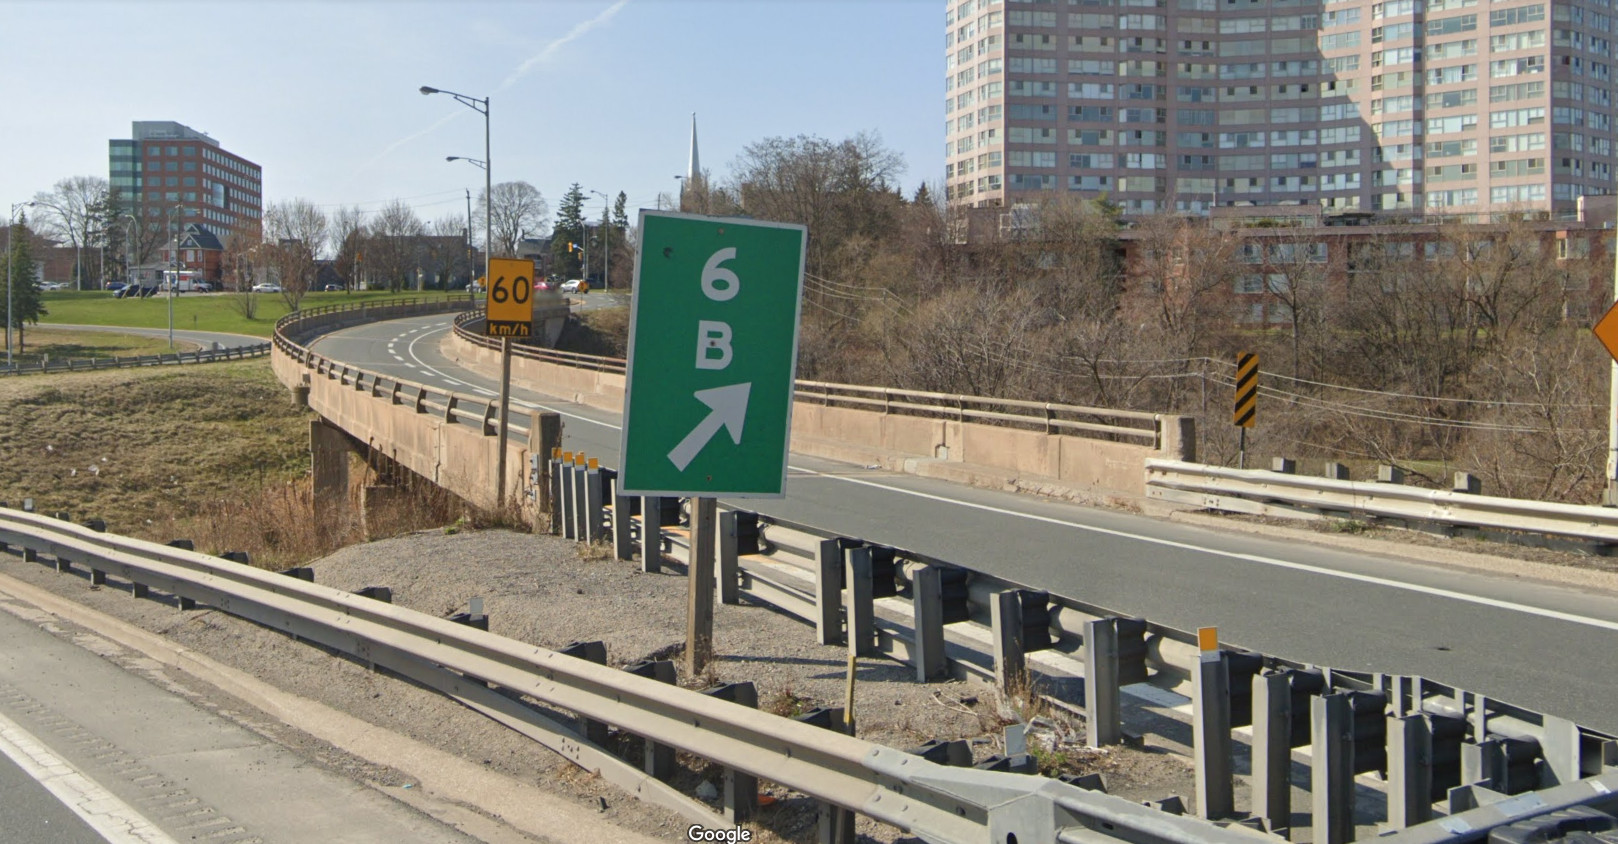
point(195, 311)
point(40, 342)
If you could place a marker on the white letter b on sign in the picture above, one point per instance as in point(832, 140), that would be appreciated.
point(713, 344)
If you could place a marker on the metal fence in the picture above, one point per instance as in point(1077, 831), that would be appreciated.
point(174, 358)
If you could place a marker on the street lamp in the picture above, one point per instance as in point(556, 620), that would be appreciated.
point(11, 247)
point(482, 107)
point(606, 243)
point(129, 249)
point(484, 166)
point(681, 200)
point(174, 268)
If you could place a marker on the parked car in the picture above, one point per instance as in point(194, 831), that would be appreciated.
point(333, 288)
point(266, 287)
point(576, 285)
point(202, 287)
point(115, 286)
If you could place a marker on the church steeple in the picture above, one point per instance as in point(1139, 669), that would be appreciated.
point(694, 169)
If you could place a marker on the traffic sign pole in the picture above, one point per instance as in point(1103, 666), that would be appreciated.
point(507, 312)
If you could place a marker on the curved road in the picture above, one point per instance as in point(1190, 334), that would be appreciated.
point(1548, 647)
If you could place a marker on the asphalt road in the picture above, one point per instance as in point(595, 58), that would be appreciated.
point(133, 757)
point(1548, 647)
point(205, 339)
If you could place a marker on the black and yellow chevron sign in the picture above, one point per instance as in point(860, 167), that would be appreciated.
point(1246, 389)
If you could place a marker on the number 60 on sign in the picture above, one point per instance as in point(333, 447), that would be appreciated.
point(510, 301)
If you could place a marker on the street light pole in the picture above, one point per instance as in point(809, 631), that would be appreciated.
point(606, 243)
point(482, 107)
point(11, 248)
point(174, 270)
point(129, 250)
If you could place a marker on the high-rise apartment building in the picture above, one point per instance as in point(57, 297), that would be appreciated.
point(170, 176)
point(1429, 107)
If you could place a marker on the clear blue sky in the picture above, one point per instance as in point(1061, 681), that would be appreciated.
point(324, 95)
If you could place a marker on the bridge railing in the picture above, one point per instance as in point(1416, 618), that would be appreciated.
point(464, 408)
point(1048, 417)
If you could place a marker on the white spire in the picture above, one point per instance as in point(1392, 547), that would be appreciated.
point(694, 169)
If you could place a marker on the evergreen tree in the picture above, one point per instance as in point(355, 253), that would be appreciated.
point(568, 235)
point(620, 215)
point(26, 304)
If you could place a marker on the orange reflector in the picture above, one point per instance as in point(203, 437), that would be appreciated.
point(594, 464)
point(578, 459)
point(1208, 638)
point(567, 457)
point(556, 452)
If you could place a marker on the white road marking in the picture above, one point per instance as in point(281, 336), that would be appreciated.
point(1417, 588)
point(399, 359)
point(482, 392)
point(115, 820)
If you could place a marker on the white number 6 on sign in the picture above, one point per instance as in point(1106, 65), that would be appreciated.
point(712, 273)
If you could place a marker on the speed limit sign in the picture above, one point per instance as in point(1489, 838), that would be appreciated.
point(510, 298)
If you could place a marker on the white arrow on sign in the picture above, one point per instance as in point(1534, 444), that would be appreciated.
point(728, 409)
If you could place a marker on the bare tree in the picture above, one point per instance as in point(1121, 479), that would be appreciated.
point(348, 234)
point(296, 231)
point(518, 209)
point(390, 245)
point(837, 189)
point(70, 211)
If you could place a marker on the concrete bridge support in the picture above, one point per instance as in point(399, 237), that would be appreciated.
point(329, 448)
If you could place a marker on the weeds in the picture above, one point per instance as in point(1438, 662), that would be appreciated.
point(787, 703)
point(1354, 526)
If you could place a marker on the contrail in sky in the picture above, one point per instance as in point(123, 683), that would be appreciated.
point(549, 50)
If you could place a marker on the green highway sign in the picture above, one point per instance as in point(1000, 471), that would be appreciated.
point(713, 348)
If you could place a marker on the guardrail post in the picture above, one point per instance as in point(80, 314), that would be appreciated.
point(835, 824)
point(1005, 618)
point(1284, 465)
point(1272, 750)
point(1331, 770)
point(927, 609)
point(739, 796)
point(594, 499)
point(1335, 471)
point(738, 535)
point(651, 534)
point(568, 497)
point(581, 499)
point(558, 494)
point(1102, 697)
point(1390, 475)
point(1467, 483)
point(828, 589)
point(1211, 735)
point(659, 757)
point(624, 510)
point(1410, 771)
point(859, 612)
point(593, 731)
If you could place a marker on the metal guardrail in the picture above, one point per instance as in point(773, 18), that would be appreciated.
point(937, 803)
point(1266, 493)
point(175, 358)
point(1049, 417)
point(786, 565)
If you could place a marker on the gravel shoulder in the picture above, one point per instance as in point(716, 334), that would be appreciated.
point(543, 591)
